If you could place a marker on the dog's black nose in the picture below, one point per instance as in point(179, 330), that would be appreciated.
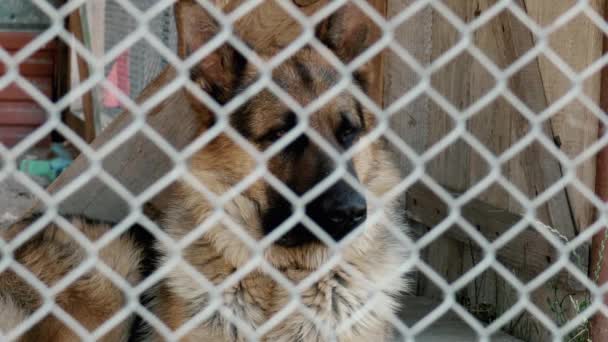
point(339, 210)
point(352, 211)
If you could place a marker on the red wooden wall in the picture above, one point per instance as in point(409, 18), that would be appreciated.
point(19, 113)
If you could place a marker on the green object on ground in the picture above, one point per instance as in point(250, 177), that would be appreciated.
point(49, 169)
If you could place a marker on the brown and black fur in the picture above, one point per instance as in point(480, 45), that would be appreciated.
point(91, 299)
point(344, 295)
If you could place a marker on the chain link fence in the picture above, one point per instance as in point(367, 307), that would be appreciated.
point(460, 232)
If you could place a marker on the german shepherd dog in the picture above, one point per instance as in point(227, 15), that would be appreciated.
point(219, 287)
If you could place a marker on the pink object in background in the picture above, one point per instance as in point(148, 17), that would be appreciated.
point(119, 76)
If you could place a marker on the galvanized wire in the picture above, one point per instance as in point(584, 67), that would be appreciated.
point(135, 21)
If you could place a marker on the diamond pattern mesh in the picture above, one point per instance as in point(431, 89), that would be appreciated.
point(556, 298)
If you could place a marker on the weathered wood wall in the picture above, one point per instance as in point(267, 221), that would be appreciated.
point(504, 39)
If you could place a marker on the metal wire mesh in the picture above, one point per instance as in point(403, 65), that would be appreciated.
point(144, 63)
point(141, 17)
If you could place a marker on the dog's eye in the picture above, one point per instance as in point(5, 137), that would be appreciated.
point(276, 134)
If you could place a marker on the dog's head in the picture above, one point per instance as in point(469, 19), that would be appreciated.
point(264, 120)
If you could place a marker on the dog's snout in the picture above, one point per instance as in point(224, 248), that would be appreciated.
point(350, 211)
point(339, 210)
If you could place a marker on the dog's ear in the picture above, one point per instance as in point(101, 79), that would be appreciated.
point(347, 32)
point(217, 73)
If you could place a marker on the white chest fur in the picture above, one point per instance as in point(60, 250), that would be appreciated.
point(339, 305)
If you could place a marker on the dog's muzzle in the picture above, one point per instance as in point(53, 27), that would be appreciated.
point(338, 210)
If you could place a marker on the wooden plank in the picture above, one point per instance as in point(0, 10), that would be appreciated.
point(11, 135)
point(415, 36)
point(96, 17)
point(74, 123)
point(376, 91)
point(75, 25)
point(40, 64)
point(529, 249)
point(14, 40)
point(15, 93)
point(599, 255)
point(574, 126)
point(449, 271)
point(21, 113)
point(61, 72)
